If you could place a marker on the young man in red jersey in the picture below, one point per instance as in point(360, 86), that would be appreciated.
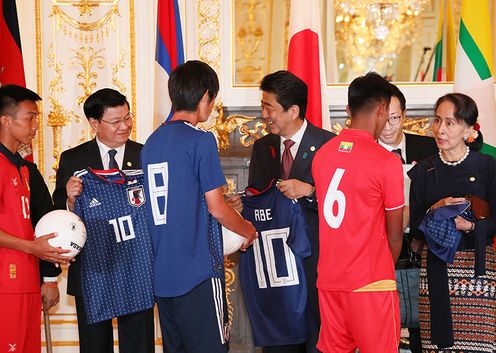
point(359, 187)
point(20, 301)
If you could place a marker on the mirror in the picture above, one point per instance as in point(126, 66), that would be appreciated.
point(396, 38)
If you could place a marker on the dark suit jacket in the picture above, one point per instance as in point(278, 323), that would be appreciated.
point(265, 166)
point(40, 204)
point(77, 158)
point(419, 147)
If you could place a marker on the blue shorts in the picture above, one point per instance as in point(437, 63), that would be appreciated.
point(197, 321)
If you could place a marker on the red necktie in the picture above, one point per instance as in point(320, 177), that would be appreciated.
point(287, 158)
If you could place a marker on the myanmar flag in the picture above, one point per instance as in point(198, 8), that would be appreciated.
point(474, 67)
point(11, 66)
point(444, 50)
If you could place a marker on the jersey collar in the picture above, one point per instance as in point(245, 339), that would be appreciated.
point(15, 159)
point(357, 134)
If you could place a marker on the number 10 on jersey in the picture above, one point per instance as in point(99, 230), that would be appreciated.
point(123, 228)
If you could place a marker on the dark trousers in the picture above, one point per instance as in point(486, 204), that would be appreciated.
point(313, 312)
point(136, 334)
point(195, 322)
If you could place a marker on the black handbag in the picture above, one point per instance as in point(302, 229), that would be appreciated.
point(407, 283)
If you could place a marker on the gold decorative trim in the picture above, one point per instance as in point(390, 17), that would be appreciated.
point(209, 32)
point(116, 67)
point(249, 136)
point(85, 26)
point(132, 35)
point(230, 279)
point(39, 88)
point(86, 57)
point(417, 126)
point(221, 127)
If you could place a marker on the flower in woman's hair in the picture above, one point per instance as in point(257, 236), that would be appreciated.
point(477, 127)
point(473, 135)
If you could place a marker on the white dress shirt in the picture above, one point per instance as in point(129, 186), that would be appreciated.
point(104, 149)
point(401, 145)
point(296, 138)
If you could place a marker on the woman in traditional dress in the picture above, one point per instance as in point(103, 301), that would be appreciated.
point(457, 302)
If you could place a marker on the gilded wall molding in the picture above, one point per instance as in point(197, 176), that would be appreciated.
point(78, 29)
point(209, 32)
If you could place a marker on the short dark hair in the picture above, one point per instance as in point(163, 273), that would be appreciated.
point(95, 105)
point(365, 92)
point(288, 90)
point(12, 95)
point(189, 82)
point(401, 97)
point(465, 111)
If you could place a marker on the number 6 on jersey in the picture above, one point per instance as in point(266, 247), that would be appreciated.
point(334, 195)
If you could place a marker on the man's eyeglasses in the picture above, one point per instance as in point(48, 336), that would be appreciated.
point(126, 120)
point(394, 120)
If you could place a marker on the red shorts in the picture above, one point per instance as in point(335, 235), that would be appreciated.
point(20, 322)
point(369, 321)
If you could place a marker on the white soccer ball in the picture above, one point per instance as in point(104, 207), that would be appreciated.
point(232, 241)
point(71, 231)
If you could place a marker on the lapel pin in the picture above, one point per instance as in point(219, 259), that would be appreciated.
point(312, 148)
point(304, 155)
point(472, 178)
point(129, 164)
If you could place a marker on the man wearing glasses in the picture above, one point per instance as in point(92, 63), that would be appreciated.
point(410, 149)
point(108, 115)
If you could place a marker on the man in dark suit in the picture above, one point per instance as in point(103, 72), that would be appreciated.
point(39, 205)
point(411, 149)
point(284, 103)
point(108, 114)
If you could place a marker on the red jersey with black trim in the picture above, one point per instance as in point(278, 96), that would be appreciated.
point(356, 181)
point(19, 272)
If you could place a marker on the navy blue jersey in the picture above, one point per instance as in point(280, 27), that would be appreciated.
point(271, 271)
point(116, 261)
point(181, 164)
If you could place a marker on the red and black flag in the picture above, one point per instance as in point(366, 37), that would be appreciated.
point(11, 65)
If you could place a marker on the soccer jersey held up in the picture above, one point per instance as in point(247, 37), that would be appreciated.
point(116, 261)
point(271, 271)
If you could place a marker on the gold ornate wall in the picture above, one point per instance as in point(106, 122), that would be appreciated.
point(81, 46)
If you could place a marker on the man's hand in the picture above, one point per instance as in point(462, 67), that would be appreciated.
point(40, 247)
point(235, 202)
point(251, 237)
point(294, 189)
point(73, 188)
point(50, 295)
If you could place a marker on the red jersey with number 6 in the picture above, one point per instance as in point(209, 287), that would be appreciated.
point(356, 182)
point(19, 272)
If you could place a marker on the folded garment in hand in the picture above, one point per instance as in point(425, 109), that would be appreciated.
point(440, 231)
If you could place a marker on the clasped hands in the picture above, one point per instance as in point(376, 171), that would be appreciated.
point(461, 223)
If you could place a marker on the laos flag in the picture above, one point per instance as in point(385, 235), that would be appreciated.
point(169, 54)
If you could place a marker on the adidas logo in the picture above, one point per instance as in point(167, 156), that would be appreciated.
point(94, 202)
